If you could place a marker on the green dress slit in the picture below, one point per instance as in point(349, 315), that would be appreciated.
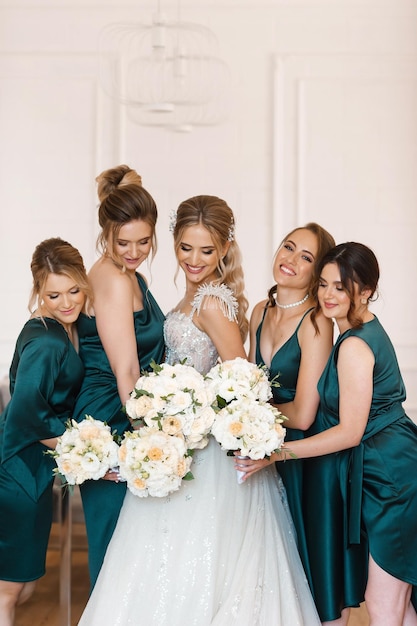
point(371, 497)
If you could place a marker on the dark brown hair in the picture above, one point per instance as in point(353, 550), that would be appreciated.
point(357, 265)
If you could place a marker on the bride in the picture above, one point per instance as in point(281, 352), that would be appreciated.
point(215, 552)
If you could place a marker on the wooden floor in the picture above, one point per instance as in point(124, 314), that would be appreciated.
point(43, 607)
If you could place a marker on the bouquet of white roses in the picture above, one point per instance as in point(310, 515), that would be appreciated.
point(86, 450)
point(238, 378)
point(254, 428)
point(245, 421)
point(153, 462)
point(175, 399)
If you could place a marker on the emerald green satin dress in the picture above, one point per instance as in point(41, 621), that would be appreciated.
point(45, 376)
point(285, 364)
point(374, 500)
point(99, 398)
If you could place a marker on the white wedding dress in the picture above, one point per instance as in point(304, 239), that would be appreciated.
point(214, 553)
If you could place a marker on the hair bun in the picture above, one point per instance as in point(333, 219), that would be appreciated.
point(110, 180)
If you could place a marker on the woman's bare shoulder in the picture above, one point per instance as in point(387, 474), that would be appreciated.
point(108, 280)
point(257, 312)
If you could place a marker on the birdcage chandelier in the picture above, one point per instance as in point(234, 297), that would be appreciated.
point(168, 73)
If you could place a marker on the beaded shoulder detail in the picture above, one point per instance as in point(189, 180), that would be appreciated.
point(224, 296)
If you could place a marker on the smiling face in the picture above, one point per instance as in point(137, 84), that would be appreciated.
point(197, 255)
point(133, 244)
point(295, 259)
point(62, 299)
point(334, 299)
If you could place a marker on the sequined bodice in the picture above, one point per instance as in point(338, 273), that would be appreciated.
point(188, 344)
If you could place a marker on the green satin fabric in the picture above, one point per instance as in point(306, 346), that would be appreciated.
point(286, 364)
point(45, 376)
point(99, 397)
point(338, 574)
point(375, 490)
point(351, 469)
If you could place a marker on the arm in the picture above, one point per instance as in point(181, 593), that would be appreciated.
point(355, 372)
point(113, 307)
point(223, 332)
point(315, 351)
point(255, 320)
point(36, 411)
point(33, 412)
point(50, 443)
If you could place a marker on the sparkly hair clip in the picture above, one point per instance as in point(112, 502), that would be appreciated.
point(172, 221)
point(231, 235)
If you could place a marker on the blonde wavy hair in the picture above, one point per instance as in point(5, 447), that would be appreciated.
point(217, 217)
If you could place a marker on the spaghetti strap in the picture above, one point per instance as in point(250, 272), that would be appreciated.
point(302, 319)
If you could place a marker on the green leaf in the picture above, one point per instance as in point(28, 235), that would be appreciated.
point(155, 367)
point(142, 392)
point(274, 381)
point(65, 486)
point(221, 402)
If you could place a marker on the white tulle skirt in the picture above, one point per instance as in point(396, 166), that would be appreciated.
point(213, 553)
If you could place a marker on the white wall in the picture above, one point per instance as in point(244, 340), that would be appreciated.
point(323, 127)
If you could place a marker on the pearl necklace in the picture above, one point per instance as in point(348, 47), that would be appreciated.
point(293, 304)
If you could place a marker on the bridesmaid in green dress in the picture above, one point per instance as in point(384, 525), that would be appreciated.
point(361, 418)
point(45, 376)
point(284, 339)
point(119, 338)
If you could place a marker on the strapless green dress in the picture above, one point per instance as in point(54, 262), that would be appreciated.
point(285, 365)
point(99, 398)
point(45, 376)
point(374, 500)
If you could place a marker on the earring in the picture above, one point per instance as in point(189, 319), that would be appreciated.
point(364, 301)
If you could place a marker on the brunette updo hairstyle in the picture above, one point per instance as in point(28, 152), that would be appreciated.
point(214, 214)
point(357, 265)
point(325, 242)
point(56, 256)
point(122, 200)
